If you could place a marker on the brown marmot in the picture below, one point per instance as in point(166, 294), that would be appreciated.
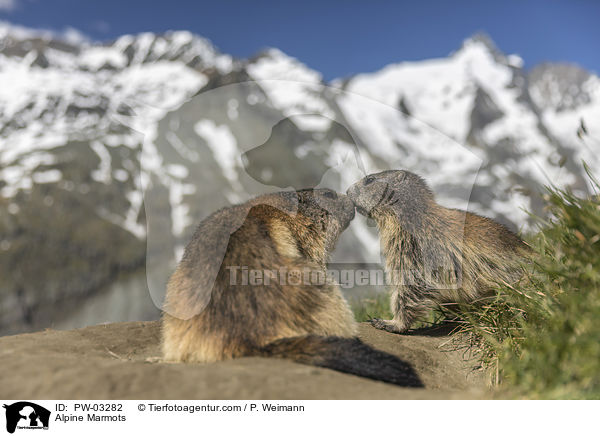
point(433, 254)
point(252, 282)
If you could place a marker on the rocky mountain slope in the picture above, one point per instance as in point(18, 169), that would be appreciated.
point(110, 153)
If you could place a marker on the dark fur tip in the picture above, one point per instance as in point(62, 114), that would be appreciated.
point(349, 355)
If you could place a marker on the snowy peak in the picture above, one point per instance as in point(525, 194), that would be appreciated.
point(273, 64)
point(72, 50)
point(192, 50)
point(482, 44)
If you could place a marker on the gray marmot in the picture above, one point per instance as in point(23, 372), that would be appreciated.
point(218, 308)
point(433, 254)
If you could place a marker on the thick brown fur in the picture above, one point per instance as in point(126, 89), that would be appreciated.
point(210, 317)
point(433, 254)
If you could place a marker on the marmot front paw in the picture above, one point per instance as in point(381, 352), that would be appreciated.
point(387, 325)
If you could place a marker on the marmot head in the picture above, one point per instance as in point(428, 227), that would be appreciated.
point(295, 225)
point(312, 218)
point(391, 191)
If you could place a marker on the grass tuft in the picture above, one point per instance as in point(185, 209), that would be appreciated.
point(541, 336)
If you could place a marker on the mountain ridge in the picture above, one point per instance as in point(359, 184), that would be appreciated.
point(120, 148)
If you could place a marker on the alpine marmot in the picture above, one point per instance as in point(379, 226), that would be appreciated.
point(433, 254)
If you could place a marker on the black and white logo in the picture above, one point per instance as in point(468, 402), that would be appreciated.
point(26, 415)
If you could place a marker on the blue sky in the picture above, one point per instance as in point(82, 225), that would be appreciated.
point(340, 38)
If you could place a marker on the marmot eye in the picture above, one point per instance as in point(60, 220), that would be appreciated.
point(330, 194)
point(369, 180)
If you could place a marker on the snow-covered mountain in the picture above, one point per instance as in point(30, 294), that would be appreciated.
point(107, 147)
